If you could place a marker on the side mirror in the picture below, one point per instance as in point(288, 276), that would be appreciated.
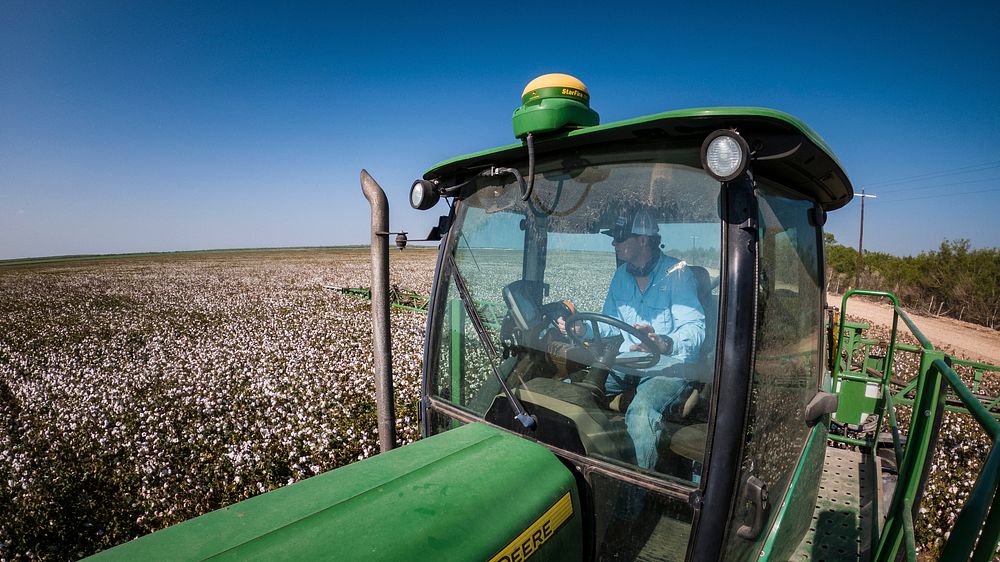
point(435, 235)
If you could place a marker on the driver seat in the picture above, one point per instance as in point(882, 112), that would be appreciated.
point(691, 415)
point(710, 306)
point(700, 373)
point(705, 365)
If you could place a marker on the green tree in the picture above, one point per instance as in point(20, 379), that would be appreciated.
point(955, 280)
point(841, 263)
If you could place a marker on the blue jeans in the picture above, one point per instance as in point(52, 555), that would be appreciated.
point(643, 419)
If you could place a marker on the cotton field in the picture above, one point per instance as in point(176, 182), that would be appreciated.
point(136, 393)
point(139, 392)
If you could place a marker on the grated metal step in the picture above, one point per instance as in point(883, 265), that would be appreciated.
point(841, 528)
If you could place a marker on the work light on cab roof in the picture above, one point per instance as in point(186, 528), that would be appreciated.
point(725, 155)
point(553, 102)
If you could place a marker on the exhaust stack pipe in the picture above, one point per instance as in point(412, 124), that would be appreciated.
point(381, 350)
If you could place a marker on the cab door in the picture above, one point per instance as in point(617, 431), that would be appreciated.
point(782, 455)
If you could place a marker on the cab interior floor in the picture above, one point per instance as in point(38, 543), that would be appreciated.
point(669, 542)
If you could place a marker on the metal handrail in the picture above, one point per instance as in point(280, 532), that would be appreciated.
point(897, 447)
point(978, 370)
point(887, 367)
point(976, 530)
point(911, 542)
point(971, 519)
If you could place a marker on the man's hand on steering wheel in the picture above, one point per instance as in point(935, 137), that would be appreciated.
point(577, 327)
point(664, 344)
point(652, 348)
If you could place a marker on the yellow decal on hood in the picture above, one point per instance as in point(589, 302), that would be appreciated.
point(528, 542)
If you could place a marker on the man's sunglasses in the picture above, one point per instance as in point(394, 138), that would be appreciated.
point(620, 237)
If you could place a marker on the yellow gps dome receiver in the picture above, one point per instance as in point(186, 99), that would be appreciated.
point(553, 102)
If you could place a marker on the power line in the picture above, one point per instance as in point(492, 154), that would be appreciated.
point(908, 199)
point(908, 188)
point(940, 173)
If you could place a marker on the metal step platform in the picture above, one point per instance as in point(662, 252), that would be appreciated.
point(846, 509)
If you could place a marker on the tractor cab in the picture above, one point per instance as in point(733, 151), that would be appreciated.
point(686, 393)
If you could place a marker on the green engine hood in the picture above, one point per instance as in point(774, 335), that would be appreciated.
point(473, 493)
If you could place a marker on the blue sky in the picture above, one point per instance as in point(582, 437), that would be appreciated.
point(148, 126)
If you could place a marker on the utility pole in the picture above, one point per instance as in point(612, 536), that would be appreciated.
point(861, 235)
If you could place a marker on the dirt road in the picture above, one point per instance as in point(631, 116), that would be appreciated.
point(962, 339)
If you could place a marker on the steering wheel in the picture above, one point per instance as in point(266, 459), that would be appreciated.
point(641, 361)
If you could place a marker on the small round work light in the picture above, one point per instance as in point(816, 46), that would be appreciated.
point(423, 195)
point(725, 155)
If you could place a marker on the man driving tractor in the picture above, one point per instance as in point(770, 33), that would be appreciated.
point(656, 294)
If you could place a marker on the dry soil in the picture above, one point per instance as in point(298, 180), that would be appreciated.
point(964, 340)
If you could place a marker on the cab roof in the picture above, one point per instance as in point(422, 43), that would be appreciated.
point(785, 149)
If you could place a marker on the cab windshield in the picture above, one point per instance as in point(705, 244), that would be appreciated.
point(599, 295)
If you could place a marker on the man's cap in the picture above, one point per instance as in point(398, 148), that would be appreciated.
point(633, 222)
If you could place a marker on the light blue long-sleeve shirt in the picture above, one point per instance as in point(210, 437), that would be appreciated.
point(670, 305)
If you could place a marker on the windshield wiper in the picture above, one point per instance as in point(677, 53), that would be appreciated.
point(520, 414)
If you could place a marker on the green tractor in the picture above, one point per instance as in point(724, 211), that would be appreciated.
point(629, 356)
